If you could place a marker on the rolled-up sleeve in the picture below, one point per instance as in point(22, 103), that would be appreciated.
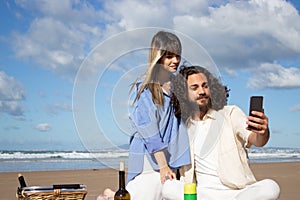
point(240, 118)
point(145, 119)
point(156, 128)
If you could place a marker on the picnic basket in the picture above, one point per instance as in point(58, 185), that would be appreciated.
point(54, 192)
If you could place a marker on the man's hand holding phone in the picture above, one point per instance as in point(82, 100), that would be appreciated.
point(257, 120)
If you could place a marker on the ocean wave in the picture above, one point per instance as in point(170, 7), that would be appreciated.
point(274, 154)
point(16, 161)
point(254, 153)
point(31, 155)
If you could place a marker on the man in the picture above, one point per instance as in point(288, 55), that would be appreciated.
point(218, 137)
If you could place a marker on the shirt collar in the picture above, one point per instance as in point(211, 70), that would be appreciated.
point(165, 93)
point(211, 114)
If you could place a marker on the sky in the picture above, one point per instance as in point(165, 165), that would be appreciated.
point(66, 65)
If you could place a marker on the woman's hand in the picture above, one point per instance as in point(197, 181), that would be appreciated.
point(166, 173)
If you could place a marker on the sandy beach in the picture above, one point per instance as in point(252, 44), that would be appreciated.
point(96, 180)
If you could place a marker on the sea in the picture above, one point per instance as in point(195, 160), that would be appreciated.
point(22, 161)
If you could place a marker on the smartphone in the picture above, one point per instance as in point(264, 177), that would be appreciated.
point(256, 104)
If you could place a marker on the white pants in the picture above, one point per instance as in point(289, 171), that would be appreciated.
point(262, 190)
point(147, 185)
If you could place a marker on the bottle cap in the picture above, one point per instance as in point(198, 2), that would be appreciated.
point(190, 188)
point(122, 166)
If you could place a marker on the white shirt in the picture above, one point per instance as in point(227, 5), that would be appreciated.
point(206, 148)
point(205, 164)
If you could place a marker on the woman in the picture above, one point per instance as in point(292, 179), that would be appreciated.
point(159, 142)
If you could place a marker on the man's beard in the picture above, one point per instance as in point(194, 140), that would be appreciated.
point(203, 108)
point(195, 107)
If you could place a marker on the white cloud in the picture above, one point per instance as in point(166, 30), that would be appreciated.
point(269, 75)
point(139, 15)
point(238, 34)
point(150, 13)
point(52, 45)
point(11, 93)
point(12, 108)
point(44, 127)
point(10, 89)
point(296, 108)
point(231, 72)
point(67, 11)
point(241, 33)
point(58, 36)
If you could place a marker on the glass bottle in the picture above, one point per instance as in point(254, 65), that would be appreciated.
point(122, 193)
point(21, 180)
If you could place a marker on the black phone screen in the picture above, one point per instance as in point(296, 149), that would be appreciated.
point(256, 104)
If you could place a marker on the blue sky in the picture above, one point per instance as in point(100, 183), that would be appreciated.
point(66, 66)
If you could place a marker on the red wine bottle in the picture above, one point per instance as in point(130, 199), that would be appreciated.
point(21, 180)
point(122, 193)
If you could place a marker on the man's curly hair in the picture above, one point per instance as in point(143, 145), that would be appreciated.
point(182, 106)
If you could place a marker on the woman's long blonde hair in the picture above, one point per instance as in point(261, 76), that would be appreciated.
point(162, 43)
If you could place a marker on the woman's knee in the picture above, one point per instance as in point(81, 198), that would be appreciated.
point(172, 190)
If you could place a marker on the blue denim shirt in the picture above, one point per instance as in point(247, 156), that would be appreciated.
point(156, 128)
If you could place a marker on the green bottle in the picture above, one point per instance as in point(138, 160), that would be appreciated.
point(122, 193)
point(190, 192)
